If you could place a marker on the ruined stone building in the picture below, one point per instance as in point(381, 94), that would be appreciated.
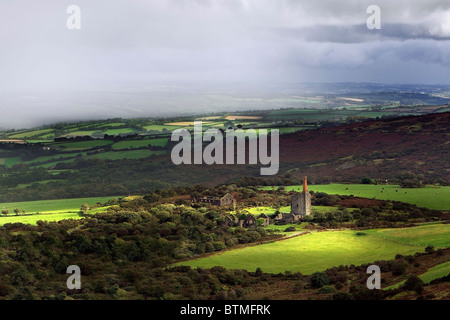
point(301, 202)
point(226, 200)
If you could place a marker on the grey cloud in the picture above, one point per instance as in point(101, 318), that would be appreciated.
point(360, 33)
point(129, 44)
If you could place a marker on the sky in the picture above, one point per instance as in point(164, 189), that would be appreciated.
point(147, 57)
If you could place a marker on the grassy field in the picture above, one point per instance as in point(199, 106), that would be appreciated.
point(9, 162)
point(271, 210)
point(80, 133)
point(437, 235)
point(160, 127)
point(83, 145)
point(119, 131)
point(113, 124)
point(159, 142)
point(34, 218)
point(55, 157)
point(31, 134)
point(52, 206)
point(309, 253)
point(49, 210)
point(439, 271)
point(429, 197)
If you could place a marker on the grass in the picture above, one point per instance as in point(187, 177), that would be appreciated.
point(428, 197)
point(158, 127)
point(31, 134)
point(51, 206)
point(280, 228)
point(55, 157)
point(439, 271)
point(309, 253)
point(34, 218)
point(23, 185)
point(9, 162)
point(119, 131)
point(49, 165)
point(286, 209)
point(160, 142)
point(437, 235)
point(83, 145)
point(114, 124)
point(81, 133)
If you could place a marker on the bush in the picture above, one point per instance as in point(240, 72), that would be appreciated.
point(319, 279)
point(414, 283)
point(342, 296)
point(429, 249)
point(327, 289)
point(398, 268)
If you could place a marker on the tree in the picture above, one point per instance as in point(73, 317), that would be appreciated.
point(5, 212)
point(414, 283)
point(17, 211)
point(85, 207)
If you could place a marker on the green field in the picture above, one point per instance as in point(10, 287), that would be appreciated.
point(34, 218)
point(119, 131)
point(437, 235)
point(436, 272)
point(82, 145)
point(113, 124)
point(9, 162)
point(160, 127)
point(50, 206)
point(159, 142)
point(428, 197)
point(49, 210)
point(317, 251)
point(439, 271)
point(80, 133)
point(31, 134)
point(286, 209)
point(55, 158)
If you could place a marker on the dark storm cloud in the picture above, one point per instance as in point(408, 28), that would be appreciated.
point(360, 33)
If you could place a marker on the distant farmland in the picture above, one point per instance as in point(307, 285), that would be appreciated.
point(159, 142)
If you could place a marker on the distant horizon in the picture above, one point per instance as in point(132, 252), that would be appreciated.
point(282, 89)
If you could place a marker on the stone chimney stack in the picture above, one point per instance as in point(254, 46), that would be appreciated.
point(305, 185)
